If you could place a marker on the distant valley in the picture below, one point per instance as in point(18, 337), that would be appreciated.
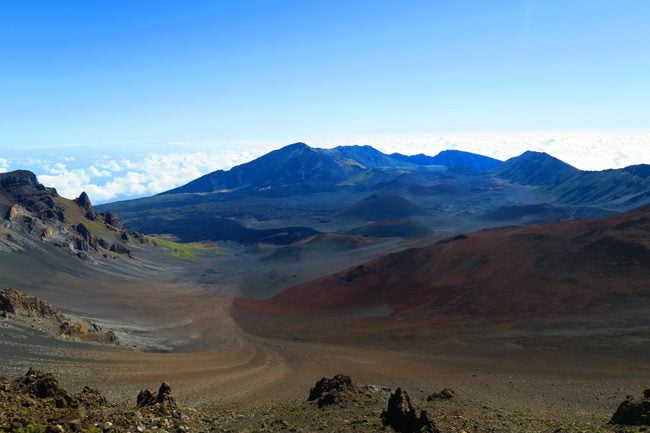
point(304, 262)
point(298, 191)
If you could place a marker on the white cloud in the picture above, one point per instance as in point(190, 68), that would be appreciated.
point(4, 165)
point(95, 172)
point(107, 180)
point(110, 165)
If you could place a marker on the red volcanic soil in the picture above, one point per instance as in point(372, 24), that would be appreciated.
point(511, 273)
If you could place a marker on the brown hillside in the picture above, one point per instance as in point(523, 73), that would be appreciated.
point(541, 271)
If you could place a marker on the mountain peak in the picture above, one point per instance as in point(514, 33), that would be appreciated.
point(452, 159)
point(535, 168)
point(296, 146)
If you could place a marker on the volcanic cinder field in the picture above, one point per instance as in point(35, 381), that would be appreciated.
point(535, 327)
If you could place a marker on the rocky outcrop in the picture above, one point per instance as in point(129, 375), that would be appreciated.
point(402, 416)
point(36, 402)
point(88, 331)
point(162, 400)
point(21, 187)
point(445, 394)
point(90, 241)
point(120, 249)
point(18, 178)
point(21, 305)
point(84, 202)
point(331, 391)
point(634, 411)
point(35, 312)
point(37, 213)
point(112, 220)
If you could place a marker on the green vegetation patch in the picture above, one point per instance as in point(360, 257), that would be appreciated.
point(182, 250)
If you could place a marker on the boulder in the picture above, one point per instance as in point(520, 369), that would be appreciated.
point(445, 394)
point(146, 397)
point(84, 202)
point(112, 220)
point(119, 248)
point(89, 239)
point(340, 382)
point(162, 399)
point(402, 416)
point(42, 385)
point(634, 411)
point(331, 391)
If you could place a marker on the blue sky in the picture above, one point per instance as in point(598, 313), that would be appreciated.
point(132, 77)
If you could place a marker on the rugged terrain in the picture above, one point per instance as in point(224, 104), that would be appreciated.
point(534, 328)
point(33, 215)
point(296, 191)
point(36, 403)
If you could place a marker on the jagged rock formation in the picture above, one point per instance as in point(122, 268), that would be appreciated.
point(31, 213)
point(84, 201)
point(331, 391)
point(162, 399)
point(36, 402)
point(402, 416)
point(22, 308)
point(634, 411)
point(21, 188)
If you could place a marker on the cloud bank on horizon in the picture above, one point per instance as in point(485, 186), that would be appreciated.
point(115, 177)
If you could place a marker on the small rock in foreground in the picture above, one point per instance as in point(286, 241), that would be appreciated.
point(402, 416)
point(634, 411)
point(445, 394)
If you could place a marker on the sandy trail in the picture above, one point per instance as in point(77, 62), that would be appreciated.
point(208, 358)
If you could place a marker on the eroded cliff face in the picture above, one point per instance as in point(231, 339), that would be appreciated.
point(23, 309)
point(31, 214)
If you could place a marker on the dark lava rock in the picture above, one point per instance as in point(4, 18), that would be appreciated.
point(331, 391)
point(42, 385)
point(81, 245)
point(445, 394)
point(340, 382)
point(146, 397)
point(84, 202)
point(330, 399)
point(634, 411)
point(88, 238)
point(163, 398)
point(21, 187)
point(83, 231)
point(112, 220)
point(18, 178)
point(119, 248)
point(402, 416)
point(164, 393)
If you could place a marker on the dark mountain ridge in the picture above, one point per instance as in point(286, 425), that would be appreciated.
point(535, 168)
point(612, 189)
point(300, 165)
point(298, 188)
point(452, 159)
